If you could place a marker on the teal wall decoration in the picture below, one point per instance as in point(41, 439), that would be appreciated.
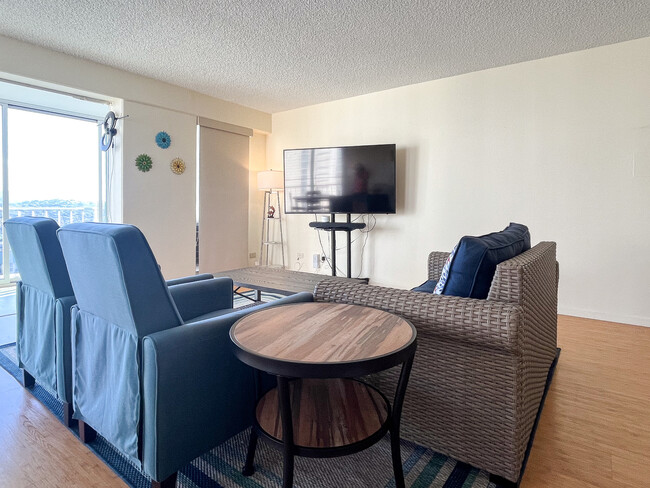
point(163, 140)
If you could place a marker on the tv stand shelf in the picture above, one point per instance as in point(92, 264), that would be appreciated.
point(337, 226)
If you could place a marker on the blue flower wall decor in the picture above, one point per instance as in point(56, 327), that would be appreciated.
point(163, 140)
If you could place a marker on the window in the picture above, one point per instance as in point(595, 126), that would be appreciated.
point(51, 162)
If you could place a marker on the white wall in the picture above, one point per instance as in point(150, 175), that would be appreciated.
point(548, 143)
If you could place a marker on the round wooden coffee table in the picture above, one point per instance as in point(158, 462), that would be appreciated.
point(315, 350)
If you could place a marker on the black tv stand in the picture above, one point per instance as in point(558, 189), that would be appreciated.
point(333, 226)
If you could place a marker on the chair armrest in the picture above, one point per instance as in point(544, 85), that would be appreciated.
point(197, 298)
point(531, 280)
point(189, 279)
point(437, 261)
point(196, 393)
point(481, 322)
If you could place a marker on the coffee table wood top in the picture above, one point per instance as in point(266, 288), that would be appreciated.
point(331, 337)
point(278, 280)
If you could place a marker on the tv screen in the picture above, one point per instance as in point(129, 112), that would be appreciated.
point(352, 179)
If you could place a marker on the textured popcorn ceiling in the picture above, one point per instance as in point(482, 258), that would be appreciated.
point(276, 55)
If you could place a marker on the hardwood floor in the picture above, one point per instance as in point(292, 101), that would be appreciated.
point(595, 426)
point(36, 450)
point(594, 431)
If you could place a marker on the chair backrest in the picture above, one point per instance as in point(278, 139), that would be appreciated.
point(115, 277)
point(38, 255)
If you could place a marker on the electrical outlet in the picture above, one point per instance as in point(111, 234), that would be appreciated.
point(252, 255)
point(316, 261)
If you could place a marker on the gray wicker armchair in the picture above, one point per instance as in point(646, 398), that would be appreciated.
point(481, 365)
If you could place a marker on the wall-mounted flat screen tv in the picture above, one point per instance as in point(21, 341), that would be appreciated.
point(351, 179)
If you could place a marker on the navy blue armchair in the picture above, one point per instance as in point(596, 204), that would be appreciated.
point(44, 297)
point(153, 368)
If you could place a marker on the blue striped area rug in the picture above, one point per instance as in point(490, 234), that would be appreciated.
point(221, 467)
point(247, 298)
point(423, 468)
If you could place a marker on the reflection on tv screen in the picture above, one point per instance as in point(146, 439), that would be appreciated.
point(354, 179)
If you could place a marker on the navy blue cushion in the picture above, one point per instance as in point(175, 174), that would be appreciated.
point(476, 260)
point(426, 287)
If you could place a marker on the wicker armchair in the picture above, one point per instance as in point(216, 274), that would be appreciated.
point(481, 365)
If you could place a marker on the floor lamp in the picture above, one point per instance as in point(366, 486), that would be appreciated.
point(272, 183)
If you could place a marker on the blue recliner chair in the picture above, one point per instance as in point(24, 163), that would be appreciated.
point(154, 372)
point(44, 297)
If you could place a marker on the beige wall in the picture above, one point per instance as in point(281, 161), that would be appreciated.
point(257, 162)
point(549, 143)
point(159, 202)
point(256, 202)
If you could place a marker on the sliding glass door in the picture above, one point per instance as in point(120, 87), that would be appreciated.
point(51, 167)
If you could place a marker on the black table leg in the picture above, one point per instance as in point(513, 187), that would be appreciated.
point(257, 295)
point(249, 467)
point(284, 398)
point(395, 422)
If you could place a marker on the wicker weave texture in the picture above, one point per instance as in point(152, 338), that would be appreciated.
point(481, 365)
point(437, 261)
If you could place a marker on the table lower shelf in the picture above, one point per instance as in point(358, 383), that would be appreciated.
point(328, 414)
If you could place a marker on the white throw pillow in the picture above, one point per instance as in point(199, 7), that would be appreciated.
point(445, 273)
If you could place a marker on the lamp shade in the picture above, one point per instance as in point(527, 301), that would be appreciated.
point(270, 180)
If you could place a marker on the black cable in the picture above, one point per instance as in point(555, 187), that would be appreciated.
point(323, 250)
point(369, 228)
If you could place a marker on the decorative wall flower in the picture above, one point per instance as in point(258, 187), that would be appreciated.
point(144, 162)
point(178, 166)
point(163, 140)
